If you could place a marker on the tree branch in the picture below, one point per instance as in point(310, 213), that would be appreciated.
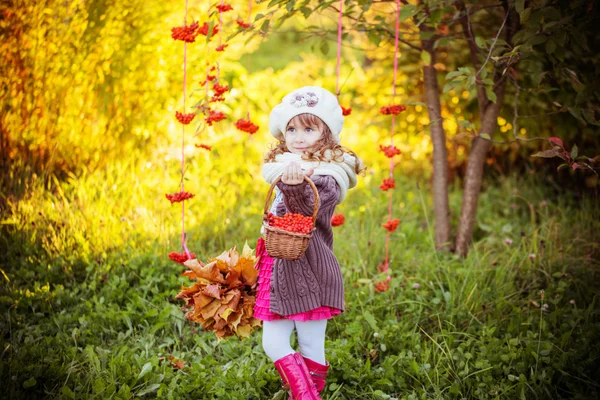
point(482, 99)
point(492, 46)
point(391, 34)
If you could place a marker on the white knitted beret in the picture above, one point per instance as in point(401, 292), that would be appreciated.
point(310, 100)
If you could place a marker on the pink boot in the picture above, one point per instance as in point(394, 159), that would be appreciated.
point(318, 372)
point(296, 378)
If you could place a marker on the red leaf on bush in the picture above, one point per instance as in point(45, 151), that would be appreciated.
point(556, 140)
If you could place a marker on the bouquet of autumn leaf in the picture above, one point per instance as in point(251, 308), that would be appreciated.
point(223, 296)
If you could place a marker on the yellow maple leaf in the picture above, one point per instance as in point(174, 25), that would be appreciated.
point(226, 313)
point(243, 331)
point(236, 318)
point(247, 252)
point(246, 268)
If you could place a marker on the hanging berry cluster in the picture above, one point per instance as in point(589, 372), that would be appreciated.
point(216, 92)
point(246, 125)
point(179, 197)
point(184, 118)
point(291, 222)
point(181, 257)
point(393, 109)
point(337, 220)
point(387, 184)
point(391, 225)
point(390, 152)
point(186, 33)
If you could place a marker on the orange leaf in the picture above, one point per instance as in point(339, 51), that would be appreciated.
point(232, 279)
point(212, 291)
point(235, 319)
point(209, 271)
point(220, 324)
point(233, 298)
point(201, 300)
point(189, 273)
point(246, 267)
point(210, 310)
point(187, 292)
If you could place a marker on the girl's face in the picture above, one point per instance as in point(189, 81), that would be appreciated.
point(301, 134)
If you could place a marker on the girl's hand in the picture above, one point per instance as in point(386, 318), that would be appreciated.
point(293, 174)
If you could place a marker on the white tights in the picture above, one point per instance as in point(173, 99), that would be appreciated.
point(311, 338)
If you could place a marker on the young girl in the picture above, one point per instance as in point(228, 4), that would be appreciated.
point(304, 293)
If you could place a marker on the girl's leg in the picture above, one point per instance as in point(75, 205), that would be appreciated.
point(290, 365)
point(276, 338)
point(311, 339)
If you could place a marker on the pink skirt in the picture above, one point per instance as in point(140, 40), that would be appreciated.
point(261, 307)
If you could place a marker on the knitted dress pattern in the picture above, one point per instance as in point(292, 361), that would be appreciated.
point(265, 270)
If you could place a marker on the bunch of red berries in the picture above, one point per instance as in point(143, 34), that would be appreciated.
point(391, 225)
point(346, 111)
point(215, 99)
point(214, 116)
point(242, 24)
point(187, 33)
point(219, 90)
point(204, 146)
point(184, 118)
point(179, 197)
point(291, 222)
point(181, 257)
point(390, 151)
point(245, 125)
point(393, 109)
point(383, 286)
point(337, 220)
point(388, 183)
point(224, 7)
point(204, 29)
point(208, 79)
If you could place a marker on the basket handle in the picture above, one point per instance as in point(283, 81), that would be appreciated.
point(312, 185)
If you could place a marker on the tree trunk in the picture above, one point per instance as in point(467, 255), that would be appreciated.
point(440, 154)
point(473, 176)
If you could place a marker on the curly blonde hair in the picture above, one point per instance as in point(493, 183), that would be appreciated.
point(324, 149)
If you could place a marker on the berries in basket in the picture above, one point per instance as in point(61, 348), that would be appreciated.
point(291, 222)
point(223, 295)
point(288, 237)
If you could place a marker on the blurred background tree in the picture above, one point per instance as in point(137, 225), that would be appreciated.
point(505, 57)
point(89, 84)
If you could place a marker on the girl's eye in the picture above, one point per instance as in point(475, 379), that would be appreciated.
point(308, 129)
point(291, 130)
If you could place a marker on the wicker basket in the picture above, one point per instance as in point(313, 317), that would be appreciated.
point(284, 244)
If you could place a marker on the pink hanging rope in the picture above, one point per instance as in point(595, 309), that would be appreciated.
point(387, 236)
point(339, 51)
point(187, 252)
point(248, 59)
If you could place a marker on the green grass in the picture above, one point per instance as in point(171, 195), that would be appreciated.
point(88, 308)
